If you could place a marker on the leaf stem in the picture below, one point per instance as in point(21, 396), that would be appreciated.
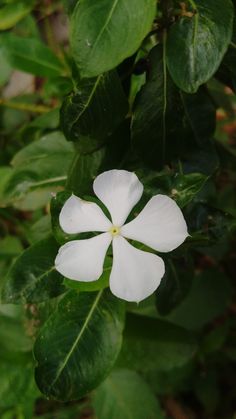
point(25, 106)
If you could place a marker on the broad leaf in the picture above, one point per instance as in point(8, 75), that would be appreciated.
point(104, 33)
point(152, 343)
point(198, 41)
point(33, 277)
point(155, 134)
point(126, 395)
point(15, 344)
point(70, 5)
point(183, 188)
point(31, 56)
point(94, 110)
point(227, 70)
point(209, 297)
point(24, 386)
point(186, 187)
point(12, 13)
point(41, 165)
point(82, 172)
point(175, 284)
point(201, 114)
point(79, 344)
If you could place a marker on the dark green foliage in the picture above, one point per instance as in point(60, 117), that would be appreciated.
point(147, 87)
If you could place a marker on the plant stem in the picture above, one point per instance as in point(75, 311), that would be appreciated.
point(24, 106)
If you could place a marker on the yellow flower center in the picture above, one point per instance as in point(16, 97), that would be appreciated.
point(114, 230)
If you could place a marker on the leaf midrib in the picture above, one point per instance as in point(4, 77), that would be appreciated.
point(104, 26)
point(44, 64)
point(73, 347)
point(89, 99)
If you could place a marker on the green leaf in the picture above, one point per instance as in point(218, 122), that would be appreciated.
point(154, 131)
point(154, 344)
point(10, 14)
point(83, 170)
point(183, 188)
point(39, 230)
point(200, 42)
point(186, 187)
point(175, 284)
point(70, 5)
point(10, 246)
point(94, 110)
point(33, 278)
point(227, 70)
point(41, 165)
point(14, 341)
point(24, 387)
point(209, 297)
point(104, 34)
point(126, 395)
point(79, 344)
point(196, 108)
point(5, 173)
point(31, 56)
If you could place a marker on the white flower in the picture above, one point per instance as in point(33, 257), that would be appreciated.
point(135, 274)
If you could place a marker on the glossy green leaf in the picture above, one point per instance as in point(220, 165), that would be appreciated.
point(201, 114)
point(155, 134)
point(175, 284)
point(33, 277)
point(82, 172)
point(199, 40)
point(126, 395)
point(94, 110)
point(186, 187)
point(12, 13)
point(73, 359)
point(152, 343)
point(41, 165)
point(31, 55)
point(183, 188)
point(104, 33)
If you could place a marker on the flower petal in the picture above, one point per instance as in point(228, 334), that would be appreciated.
point(135, 274)
point(83, 260)
point(160, 225)
point(79, 216)
point(119, 190)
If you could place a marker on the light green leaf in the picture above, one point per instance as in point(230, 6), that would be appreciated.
point(126, 395)
point(197, 43)
point(23, 389)
point(10, 14)
point(79, 344)
point(31, 55)
point(104, 33)
point(41, 165)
